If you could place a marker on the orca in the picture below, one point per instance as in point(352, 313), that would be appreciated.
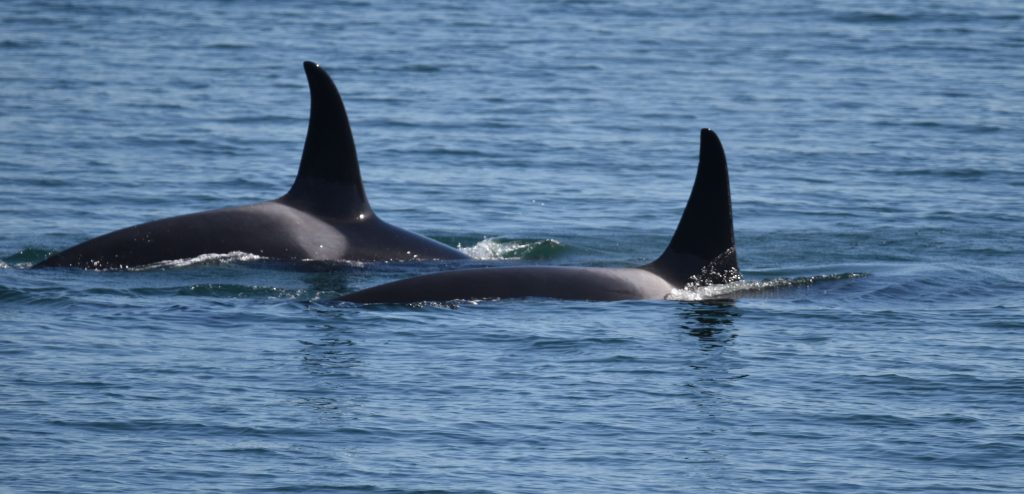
point(324, 216)
point(702, 252)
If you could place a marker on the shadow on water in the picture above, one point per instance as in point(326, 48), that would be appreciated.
point(713, 371)
point(710, 322)
point(333, 367)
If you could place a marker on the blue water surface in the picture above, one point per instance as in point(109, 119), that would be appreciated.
point(875, 152)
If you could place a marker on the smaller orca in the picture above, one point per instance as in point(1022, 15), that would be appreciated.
point(325, 215)
point(702, 252)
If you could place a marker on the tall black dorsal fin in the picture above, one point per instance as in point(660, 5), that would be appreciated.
point(703, 249)
point(329, 163)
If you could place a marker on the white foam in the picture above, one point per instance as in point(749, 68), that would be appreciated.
point(695, 293)
point(706, 292)
point(230, 257)
point(490, 249)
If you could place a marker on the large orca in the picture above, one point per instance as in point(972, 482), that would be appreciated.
point(325, 215)
point(702, 252)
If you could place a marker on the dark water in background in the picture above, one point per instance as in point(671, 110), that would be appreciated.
point(881, 139)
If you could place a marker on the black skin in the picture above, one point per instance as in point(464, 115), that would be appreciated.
point(702, 252)
point(325, 215)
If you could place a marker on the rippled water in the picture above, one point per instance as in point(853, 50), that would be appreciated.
point(875, 151)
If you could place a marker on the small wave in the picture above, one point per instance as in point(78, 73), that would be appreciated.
point(10, 43)
point(201, 260)
point(228, 46)
point(422, 68)
point(872, 18)
point(20, 297)
point(219, 290)
point(950, 173)
point(490, 249)
point(741, 288)
point(25, 258)
point(12, 294)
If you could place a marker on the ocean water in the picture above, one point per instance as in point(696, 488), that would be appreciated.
point(876, 161)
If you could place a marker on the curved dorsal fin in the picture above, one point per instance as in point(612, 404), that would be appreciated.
point(703, 248)
point(328, 178)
